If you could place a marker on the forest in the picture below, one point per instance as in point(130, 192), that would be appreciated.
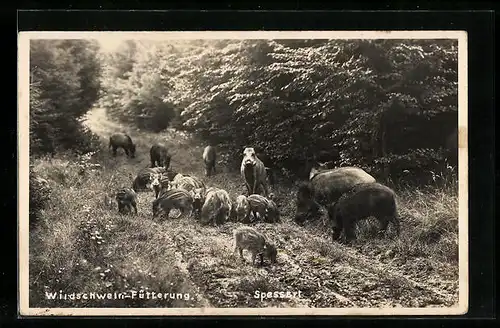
point(388, 106)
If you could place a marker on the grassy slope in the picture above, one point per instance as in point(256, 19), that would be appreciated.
point(131, 253)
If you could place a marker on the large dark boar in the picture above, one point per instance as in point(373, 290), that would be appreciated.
point(263, 208)
point(326, 187)
point(122, 140)
point(247, 238)
point(217, 206)
point(253, 172)
point(363, 201)
point(209, 158)
point(174, 199)
point(147, 180)
point(160, 156)
point(127, 200)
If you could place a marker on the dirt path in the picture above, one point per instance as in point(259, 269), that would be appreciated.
point(327, 274)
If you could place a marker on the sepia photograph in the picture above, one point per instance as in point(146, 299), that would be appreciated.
point(243, 173)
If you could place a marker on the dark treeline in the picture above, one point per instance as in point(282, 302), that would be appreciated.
point(388, 106)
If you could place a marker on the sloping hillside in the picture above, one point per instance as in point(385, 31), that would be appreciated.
point(84, 246)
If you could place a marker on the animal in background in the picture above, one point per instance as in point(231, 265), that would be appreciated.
point(248, 238)
point(127, 200)
point(363, 201)
point(253, 172)
point(160, 156)
point(209, 158)
point(124, 141)
point(326, 187)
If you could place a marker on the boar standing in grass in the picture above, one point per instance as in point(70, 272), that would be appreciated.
point(198, 195)
point(174, 199)
point(160, 156)
point(363, 201)
point(250, 239)
point(162, 186)
point(253, 172)
point(127, 200)
point(122, 140)
point(146, 180)
point(217, 206)
point(263, 208)
point(209, 158)
point(326, 187)
point(242, 209)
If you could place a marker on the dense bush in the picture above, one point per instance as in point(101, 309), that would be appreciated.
point(64, 85)
point(386, 105)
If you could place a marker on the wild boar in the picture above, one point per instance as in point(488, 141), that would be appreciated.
point(263, 208)
point(174, 199)
point(162, 186)
point(127, 200)
point(159, 155)
point(209, 158)
point(188, 183)
point(217, 206)
point(248, 238)
point(362, 201)
point(122, 140)
point(326, 187)
point(242, 209)
point(146, 180)
point(253, 172)
point(198, 195)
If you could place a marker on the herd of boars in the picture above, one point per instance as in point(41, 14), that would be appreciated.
point(348, 194)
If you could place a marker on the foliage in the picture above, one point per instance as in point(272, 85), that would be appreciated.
point(360, 102)
point(136, 92)
point(64, 84)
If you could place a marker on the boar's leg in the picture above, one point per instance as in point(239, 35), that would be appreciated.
point(254, 255)
point(349, 227)
point(395, 221)
point(134, 206)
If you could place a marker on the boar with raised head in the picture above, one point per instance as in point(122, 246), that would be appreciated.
point(174, 199)
point(248, 238)
point(242, 209)
point(146, 180)
point(253, 172)
point(326, 187)
point(209, 158)
point(198, 195)
point(217, 206)
point(127, 200)
point(162, 186)
point(122, 140)
point(159, 155)
point(363, 201)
